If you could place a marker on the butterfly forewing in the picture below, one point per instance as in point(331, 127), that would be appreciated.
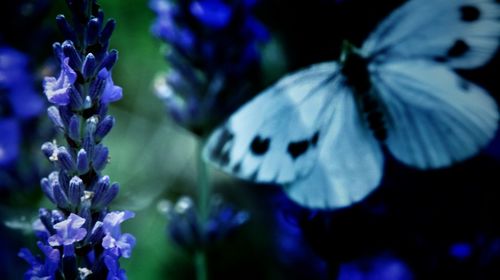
point(460, 33)
point(274, 138)
point(349, 163)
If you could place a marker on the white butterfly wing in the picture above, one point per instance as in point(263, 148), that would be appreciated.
point(460, 33)
point(274, 137)
point(350, 160)
point(435, 117)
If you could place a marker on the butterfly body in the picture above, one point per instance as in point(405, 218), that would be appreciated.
point(355, 69)
point(319, 132)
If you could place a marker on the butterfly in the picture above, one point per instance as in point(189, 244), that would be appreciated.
point(320, 132)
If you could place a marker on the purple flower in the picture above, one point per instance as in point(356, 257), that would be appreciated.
point(111, 92)
point(213, 55)
point(57, 90)
point(213, 13)
point(190, 232)
point(13, 66)
point(114, 270)
point(16, 79)
point(80, 96)
point(117, 243)
point(68, 231)
point(40, 230)
point(25, 102)
point(9, 141)
point(165, 27)
point(461, 250)
point(18, 100)
point(41, 269)
point(379, 267)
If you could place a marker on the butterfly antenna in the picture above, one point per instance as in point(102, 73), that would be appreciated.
point(347, 49)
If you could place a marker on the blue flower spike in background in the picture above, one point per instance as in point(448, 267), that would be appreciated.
point(214, 59)
point(191, 233)
point(82, 238)
point(20, 104)
point(213, 55)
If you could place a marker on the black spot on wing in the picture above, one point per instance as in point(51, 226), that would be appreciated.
point(253, 176)
point(298, 148)
point(464, 85)
point(260, 146)
point(315, 138)
point(459, 48)
point(441, 59)
point(237, 168)
point(469, 13)
point(220, 152)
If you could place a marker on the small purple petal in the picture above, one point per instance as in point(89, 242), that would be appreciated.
point(57, 90)
point(114, 270)
point(113, 220)
point(69, 231)
point(114, 241)
point(40, 230)
point(111, 92)
point(126, 243)
point(26, 255)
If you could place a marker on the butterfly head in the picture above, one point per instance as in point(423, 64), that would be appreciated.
point(354, 67)
point(348, 49)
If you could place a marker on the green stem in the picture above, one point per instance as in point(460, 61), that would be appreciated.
point(203, 182)
point(203, 207)
point(201, 265)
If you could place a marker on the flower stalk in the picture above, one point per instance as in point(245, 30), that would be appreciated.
point(81, 238)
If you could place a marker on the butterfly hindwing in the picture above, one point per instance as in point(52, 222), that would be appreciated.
point(350, 160)
point(274, 137)
point(460, 33)
point(435, 117)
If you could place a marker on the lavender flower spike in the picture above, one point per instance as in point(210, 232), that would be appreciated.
point(205, 82)
point(20, 104)
point(84, 235)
